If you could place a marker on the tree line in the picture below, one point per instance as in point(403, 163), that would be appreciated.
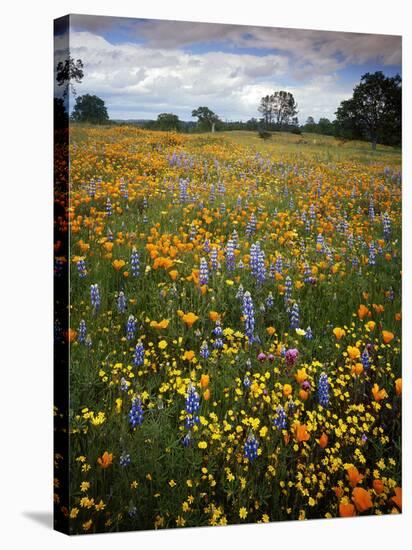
point(373, 113)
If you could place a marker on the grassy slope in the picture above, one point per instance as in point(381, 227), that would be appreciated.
point(323, 148)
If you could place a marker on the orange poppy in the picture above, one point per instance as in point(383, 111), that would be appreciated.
point(189, 319)
point(301, 432)
point(118, 264)
point(346, 510)
point(354, 476)
point(106, 460)
point(339, 333)
point(378, 486)
point(214, 316)
point(378, 394)
point(397, 499)
point(301, 376)
point(363, 311)
point(398, 386)
point(361, 499)
point(353, 352)
point(173, 274)
point(387, 336)
point(204, 381)
point(323, 440)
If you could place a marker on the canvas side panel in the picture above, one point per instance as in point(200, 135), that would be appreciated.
point(61, 280)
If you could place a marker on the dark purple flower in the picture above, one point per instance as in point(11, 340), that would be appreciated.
point(271, 357)
point(291, 356)
point(262, 356)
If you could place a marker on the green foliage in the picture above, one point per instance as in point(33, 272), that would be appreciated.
point(91, 109)
point(68, 72)
point(375, 110)
point(206, 117)
point(280, 109)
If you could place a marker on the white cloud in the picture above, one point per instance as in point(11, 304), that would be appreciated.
point(140, 81)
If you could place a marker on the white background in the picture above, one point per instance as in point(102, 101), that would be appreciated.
point(26, 274)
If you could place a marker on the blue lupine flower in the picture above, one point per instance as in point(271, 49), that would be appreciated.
point(138, 357)
point(192, 406)
point(279, 265)
point(291, 405)
point(217, 331)
point(230, 256)
point(192, 232)
point(323, 390)
point(294, 316)
point(288, 289)
point(204, 350)
point(206, 246)
point(109, 209)
point(135, 263)
point(131, 327)
point(261, 269)
point(203, 272)
point(235, 238)
point(81, 269)
point(92, 189)
point(372, 254)
point(246, 381)
point(124, 386)
point(218, 343)
point(251, 225)
point(249, 315)
point(366, 361)
point(122, 187)
point(183, 195)
point(309, 334)
point(121, 302)
point(386, 226)
point(136, 413)
point(213, 259)
point(212, 195)
point(239, 293)
point(272, 271)
point(320, 242)
point(125, 460)
point(307, 274)
point(82, 331)
point(371, 210)
point(280, 419)
point(251, 447)
point(254, 258)
point(269, 300)
point(132, 511)
point(95, 297)
point(187, 440)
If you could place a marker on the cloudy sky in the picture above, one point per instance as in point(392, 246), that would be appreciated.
point(144, 67)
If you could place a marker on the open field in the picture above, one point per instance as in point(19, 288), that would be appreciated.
point(235, 328)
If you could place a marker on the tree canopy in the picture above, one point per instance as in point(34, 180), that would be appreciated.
point(168, 121)
point(90, 108)
point(280, 109)
point(206, 116)
point(375, 110)
point(68, 72)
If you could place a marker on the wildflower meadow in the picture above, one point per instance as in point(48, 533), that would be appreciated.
point(235, 325)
